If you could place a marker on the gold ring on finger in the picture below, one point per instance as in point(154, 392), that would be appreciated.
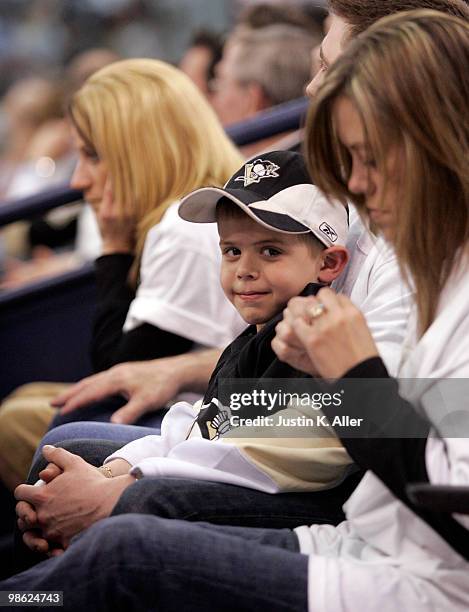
point(316, 311)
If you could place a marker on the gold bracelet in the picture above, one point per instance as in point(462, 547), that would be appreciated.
point(106, 471)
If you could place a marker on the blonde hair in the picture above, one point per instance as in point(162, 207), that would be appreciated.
point(407, 77)
point(157, 134)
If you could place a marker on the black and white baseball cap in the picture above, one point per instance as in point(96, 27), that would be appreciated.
point(276, 191)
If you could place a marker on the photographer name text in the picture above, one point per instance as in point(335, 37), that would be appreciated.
point(299, 421)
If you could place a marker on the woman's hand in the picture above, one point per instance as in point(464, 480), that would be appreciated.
point(147, 385)
point(118, 230)
point(327, 340)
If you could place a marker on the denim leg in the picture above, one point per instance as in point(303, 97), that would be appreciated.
point(226, 504)
point(142, 563)
point(280, 538)
point(90, 430)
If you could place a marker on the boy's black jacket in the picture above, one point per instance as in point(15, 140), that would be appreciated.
point(249, 356)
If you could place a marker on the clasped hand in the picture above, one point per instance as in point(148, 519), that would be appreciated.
point(75, 496)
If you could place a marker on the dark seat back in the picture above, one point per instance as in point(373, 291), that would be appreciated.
point(45, 330)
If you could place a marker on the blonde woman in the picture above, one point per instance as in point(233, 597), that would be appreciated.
point(402, 165)
point(145, 136)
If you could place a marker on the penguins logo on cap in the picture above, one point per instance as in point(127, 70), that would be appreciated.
point(257, 170)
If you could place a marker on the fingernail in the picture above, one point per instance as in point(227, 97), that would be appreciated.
point(49, 446)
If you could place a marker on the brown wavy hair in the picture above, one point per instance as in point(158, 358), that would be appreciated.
point(361, 14)
point(408, 79)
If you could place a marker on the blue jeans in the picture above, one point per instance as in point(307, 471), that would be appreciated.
point(200, 501)
point(224, 504)
point(85, 430)
point(214, 502)
point(93, 423)
point(134, 562)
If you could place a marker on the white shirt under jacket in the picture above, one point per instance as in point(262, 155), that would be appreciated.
point(384, 557)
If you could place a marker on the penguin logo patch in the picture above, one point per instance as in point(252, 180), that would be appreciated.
point(220, 424)
point(214, 419)
point(257, 170)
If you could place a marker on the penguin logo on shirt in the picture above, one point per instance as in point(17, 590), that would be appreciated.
point(257, 170)
point(221, 423)
point(214, 420)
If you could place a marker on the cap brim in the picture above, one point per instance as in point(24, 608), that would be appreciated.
point(200, 207)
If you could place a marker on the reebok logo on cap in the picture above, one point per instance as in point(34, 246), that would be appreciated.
point(257, 170)
point(328, 231)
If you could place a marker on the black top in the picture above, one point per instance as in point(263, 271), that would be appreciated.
point(249, 356)
point(110, 345)
point(395, 461)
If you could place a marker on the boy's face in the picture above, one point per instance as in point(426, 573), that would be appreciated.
point(262, 269)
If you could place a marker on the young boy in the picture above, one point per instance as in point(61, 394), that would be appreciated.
point(279, 237)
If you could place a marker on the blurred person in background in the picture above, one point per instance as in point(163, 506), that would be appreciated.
point(260, 69)
point(199, 61)
point(261, 15)
point(82, 65)
point(48, 160)
point(131, 28)
point(28, 104)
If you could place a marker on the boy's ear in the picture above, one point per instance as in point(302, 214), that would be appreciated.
point(334, 260)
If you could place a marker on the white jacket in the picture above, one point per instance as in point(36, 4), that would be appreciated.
point(384, 557)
